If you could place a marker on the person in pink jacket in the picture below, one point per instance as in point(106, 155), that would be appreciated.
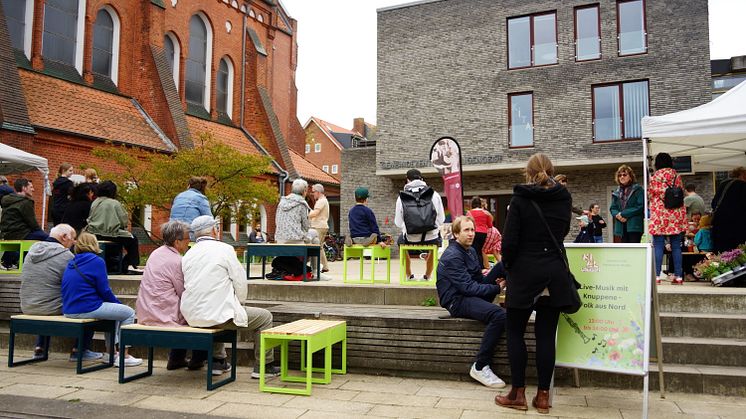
point(665, 223)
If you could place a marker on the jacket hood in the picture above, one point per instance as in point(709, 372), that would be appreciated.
point(82, 259)
point(290, 202)
point(538, 193)
point(42, 251)
point(13, 199)
point(415, 185)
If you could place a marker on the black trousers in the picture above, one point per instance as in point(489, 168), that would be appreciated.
point(478, 244)
point(492, 315)
point(131, 246)
point(545, 329)
point(630, 236)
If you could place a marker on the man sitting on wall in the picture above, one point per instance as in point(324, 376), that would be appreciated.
point(466, 293)
point(19, 220)
point(363, 225)
point(214, 285)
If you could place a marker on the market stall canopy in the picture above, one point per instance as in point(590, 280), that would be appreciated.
point(13, 160)
point(713, 134)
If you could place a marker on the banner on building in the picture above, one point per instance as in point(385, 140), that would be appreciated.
point(611, 332)
point(445, 155)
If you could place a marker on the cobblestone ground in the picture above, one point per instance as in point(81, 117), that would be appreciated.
point(52, 389)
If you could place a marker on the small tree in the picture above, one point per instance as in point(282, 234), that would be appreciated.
point(151, 178)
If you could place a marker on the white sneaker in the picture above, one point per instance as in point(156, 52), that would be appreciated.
point(486, 376)
point(129, 361)
point(324, 277)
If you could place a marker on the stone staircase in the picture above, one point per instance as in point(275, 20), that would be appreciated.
point(390, 332)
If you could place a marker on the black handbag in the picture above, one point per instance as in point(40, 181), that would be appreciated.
point(575, 304)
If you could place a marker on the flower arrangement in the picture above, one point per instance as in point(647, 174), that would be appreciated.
point(715, 265)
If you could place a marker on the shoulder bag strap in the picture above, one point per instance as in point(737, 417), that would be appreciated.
point(85, 277)
point(554, 239)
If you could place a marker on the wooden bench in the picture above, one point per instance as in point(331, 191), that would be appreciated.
point(264, 250)
point(313, 335)
point(177, 337)
point(20, 246)
point(60, 326)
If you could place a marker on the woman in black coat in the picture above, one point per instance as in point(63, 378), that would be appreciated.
point(729, 204)
point(537, 277)
point(61, 189)
point(78, 210)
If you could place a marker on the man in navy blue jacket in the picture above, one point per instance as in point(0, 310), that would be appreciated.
point(465, 292)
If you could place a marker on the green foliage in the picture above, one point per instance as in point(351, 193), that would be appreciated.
point(151, 178)
point(429, 302)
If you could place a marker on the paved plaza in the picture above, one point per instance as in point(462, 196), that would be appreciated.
point(53, 389)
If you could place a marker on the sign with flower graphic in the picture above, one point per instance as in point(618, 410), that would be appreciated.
point(612, 331)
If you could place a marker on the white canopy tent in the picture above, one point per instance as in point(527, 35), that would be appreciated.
point(13, 160)
point(713, 134)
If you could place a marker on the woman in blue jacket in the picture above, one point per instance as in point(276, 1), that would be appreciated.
point(627, 206)
point(86, 293)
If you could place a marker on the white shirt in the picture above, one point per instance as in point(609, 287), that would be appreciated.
point(214, 285)
point(437, 204)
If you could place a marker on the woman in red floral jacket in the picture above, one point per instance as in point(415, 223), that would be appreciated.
point(666, 223)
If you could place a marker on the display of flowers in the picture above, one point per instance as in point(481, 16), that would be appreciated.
point(715, 265)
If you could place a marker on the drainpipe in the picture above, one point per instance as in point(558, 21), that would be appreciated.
point(283, 176)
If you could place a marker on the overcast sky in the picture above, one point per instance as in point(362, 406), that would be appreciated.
point(336, 75)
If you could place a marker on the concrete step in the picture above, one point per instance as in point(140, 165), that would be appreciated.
point(704, 325)
point(703, 299)
point(709, 351)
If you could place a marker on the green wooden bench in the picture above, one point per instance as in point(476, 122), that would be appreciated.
point(60, 326)
point(313, 335)
point(20, 246)
point(177, 337)
point(375, 252)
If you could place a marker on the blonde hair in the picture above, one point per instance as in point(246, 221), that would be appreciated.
point(705, 221)
point(90, 174)
point(87, 243)
point(539, 170)
point(625, 169)
point(456, 225)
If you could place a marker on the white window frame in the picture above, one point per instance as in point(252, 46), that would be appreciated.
point(177, 57)
point(208, 61)
point(114, 70)
point(308, 148)
point(317, 148)
point(335, 169)
point(229, 88)
point(80, 36)
point(325, 168)
point(28, 28)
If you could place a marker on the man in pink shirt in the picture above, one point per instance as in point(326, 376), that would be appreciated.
point(159, 297)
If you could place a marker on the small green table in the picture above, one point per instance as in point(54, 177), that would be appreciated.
point(313, 335)
point(376, 252)
point(20, 246)
point(403, 280)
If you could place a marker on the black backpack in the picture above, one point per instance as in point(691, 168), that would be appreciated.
point(673, 197)
point(419, 212)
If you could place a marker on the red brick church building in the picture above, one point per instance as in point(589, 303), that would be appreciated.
point(152, 74)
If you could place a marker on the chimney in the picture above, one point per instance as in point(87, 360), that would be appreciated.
point(358, 125)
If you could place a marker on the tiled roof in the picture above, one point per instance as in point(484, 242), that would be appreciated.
point(65, 106)
point(12, 106)
point(330, 128)
point(309, 172)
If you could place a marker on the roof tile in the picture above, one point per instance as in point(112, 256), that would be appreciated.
point(308, 171)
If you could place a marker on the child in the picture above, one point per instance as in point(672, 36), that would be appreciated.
point(702, 239)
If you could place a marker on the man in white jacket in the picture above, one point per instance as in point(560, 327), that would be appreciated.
point(214, 286)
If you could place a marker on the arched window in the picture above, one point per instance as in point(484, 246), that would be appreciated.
point(63, 32)
point(19, 15)
point(106, 44)
point(173, 55)
point(198, 70)
point(225, 87)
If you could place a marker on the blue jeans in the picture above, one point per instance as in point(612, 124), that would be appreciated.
point(659, 244)
point(109, 311)
point(492, 315)
point(598, 239)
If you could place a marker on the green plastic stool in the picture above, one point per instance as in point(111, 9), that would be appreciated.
point(402, 270)
point(20, 246)
point(376, 252)
point(313, 335)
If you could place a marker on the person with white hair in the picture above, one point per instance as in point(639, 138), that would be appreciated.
point(41, 279)
point(215, 284)
point(319, 217)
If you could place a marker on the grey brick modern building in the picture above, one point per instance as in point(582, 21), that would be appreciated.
point(509, 78)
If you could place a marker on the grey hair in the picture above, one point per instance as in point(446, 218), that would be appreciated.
point(318, 188)
point(299, 187)
point(60, 230)
point(174, 230)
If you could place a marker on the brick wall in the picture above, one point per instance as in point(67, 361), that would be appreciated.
point(329, 154)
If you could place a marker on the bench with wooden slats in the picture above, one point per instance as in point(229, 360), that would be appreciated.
point(60, 326)
point(194, 338)
point(313, 335)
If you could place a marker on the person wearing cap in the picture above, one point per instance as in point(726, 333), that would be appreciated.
point(363, 225)
point(319, 217)
point(415, 184)
point(215, 284)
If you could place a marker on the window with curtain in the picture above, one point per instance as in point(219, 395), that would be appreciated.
point(103, 43)
point(618, 110)
point(532, 40)
point(587, 36)
point(631, 27)
point(521, 116)
point(196, 62)
point(15, 18)
point(223, 82)
point(60, 30)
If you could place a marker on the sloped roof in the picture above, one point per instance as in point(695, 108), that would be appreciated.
point(309, 172)
point(61, 105)
point(329, 129)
